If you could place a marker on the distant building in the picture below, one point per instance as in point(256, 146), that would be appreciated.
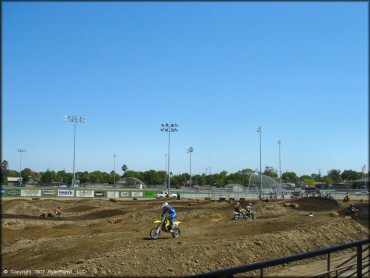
point(360, 183)
point(12, 180)
point(341, 186)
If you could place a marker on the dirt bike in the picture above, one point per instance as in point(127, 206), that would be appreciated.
point(352, 211)
point(165, 226)
point(242, 214)
point(245, 214)
point(329, 197)
point(251, 214)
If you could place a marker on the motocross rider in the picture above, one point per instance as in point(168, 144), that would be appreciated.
point(58, 211)
point(237, 207)
point(352, 210)
point(346, 197)
point(250, 208)
point(166, 208)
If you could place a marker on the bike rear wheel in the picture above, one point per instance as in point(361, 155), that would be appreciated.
point(154, 234)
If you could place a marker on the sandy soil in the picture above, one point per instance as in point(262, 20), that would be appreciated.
point(86, 241)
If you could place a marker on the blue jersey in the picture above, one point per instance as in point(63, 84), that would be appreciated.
point(170, 210)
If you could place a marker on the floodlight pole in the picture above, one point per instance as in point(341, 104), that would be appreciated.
point(259, 130)
point(114, 171)
point(190, 150)
point(169, 128)
point(74, 120)
point(165, 169)
point(20, 165)
point(279, 142)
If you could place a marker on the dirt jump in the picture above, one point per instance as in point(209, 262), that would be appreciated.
point(102, 238)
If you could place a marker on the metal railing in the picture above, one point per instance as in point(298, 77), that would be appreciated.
point(229, 272)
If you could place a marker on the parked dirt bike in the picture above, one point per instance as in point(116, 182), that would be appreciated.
point(244, 214)
point(328, 196)
point(165, 226)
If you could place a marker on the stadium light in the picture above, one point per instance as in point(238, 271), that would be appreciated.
point(190, 150)
point(169, 128)
point(20, 165)
point(74, 120)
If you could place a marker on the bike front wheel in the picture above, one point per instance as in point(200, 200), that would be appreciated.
point(176, 233)
point(154, 233)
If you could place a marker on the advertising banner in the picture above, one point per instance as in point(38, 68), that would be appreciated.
point(99, 193)
point(85, 193)
point(137, 194)
point(125, 194)
point(66, 193)
point(3, 191)
point(13, 192)
point(30, 193)
point(49, 192)
point(111, 194)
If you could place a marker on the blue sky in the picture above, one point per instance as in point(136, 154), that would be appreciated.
point(219, 70)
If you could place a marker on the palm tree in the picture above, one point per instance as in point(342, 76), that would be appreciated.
point(124, 169)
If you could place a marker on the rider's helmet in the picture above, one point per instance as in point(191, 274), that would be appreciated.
point(164, 205)
point(250, 204)
point(237, 204)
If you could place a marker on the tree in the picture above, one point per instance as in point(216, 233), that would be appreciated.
point(49, 176)
point(124, 169)
point(270, 171)
point(84, 177)
point(4, 171)
point(290, 177)
point(316, 177)
point(309, 182)
point(350, 175)
point(302, 178)
point(154, 177)
point(26, 174)
point(328, 180)
point(335, 175)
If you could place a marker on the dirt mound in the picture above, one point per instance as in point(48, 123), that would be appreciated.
point(361, 217)
point(24, 209)
point(103, 214)
point(81, 208)
point(269, 208)
point(112, 239)
point(316, 204)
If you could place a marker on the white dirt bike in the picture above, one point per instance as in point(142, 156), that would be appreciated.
point(165, 226)
point(244, 214)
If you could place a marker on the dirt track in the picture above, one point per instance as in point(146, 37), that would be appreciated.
point(85, 242)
